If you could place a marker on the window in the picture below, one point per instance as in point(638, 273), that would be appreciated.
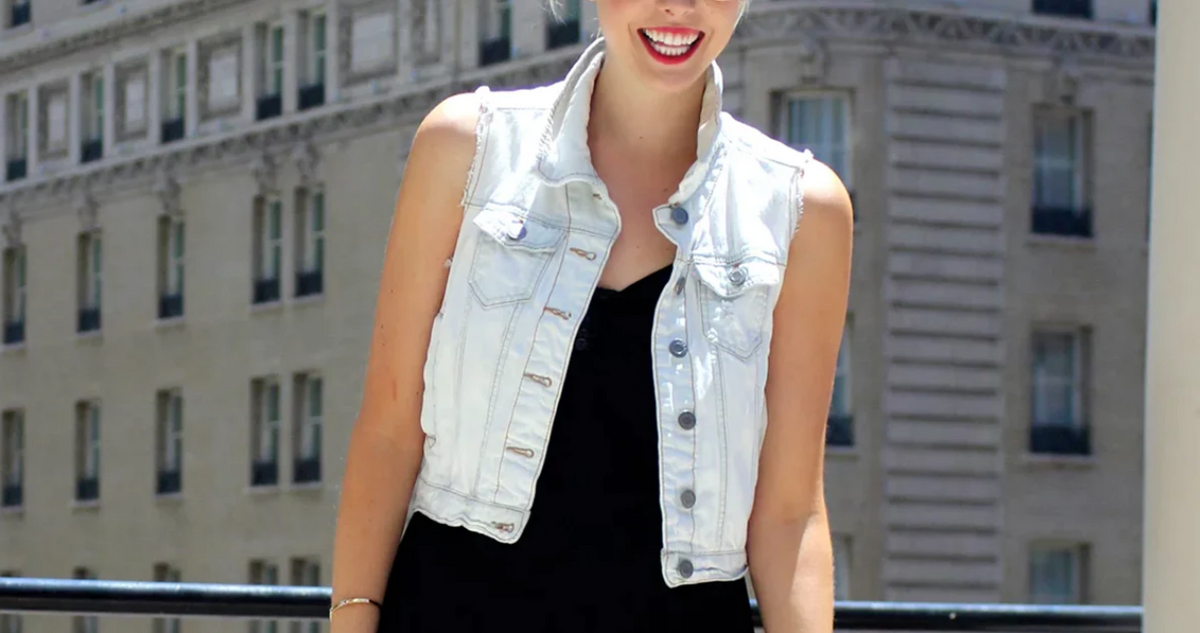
point(495, 31)
point(17, 127)
point(1064, 8)
point(310, 243)
point(10, 622)
point(1058, 398)
point(270, 103)
point(18, 16)
point(840, 431)
point(176, 96)
point(564, 31)
point(265, 442)
point(820, 122)
point(165, 572)
point(87, 451)
point(1154, 12)
point(312, 94)
point(842, 566)
point(84, 623)
point(1058, 573)
point(169, 442)
point(12, 452)
point(170, 267)
point(93, 121)
point(309, 407)
point(90, 258)
point(14, 295)
point(268, 241)
point(264, 572)
point(1060, 179)
point(306, 572)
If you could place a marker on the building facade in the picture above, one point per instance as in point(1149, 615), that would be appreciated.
point(195, 200)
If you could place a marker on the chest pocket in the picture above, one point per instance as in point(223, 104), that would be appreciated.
point(510, 256)
point(734, 300)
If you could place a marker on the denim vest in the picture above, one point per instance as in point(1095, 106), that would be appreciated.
point(538, 228)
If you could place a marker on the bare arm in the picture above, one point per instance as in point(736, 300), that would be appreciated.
point(386, 443)
point(791, 559)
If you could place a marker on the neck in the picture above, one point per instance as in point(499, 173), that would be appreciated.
point(651, 124)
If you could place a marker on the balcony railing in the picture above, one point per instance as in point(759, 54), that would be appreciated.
point(87, 489)
point(89, 319)
point(840, 431)
point(307, 470)
point(12, 496)
point(269, 106)
point(495, 51)
point(266, 290)
point(169, 482)
point(264, 473)
point(1062, 221)
point(312, 96)
point(91, 150)
point(46, 595)
point(1065, 8)
point(16, 169)
point(1060, 439)
point(170, 306)
point(20, 14)
point(172, 130)
point(309, 283)
point(559, 34)
point(14, 332)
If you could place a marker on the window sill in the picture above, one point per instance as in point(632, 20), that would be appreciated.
point(309, 299)
point(273, 489)
point(90, 335)
point(1061, 241)
point(14, 511)
point(307, 486)
point(266, 306)
point(94, 5)
point(171, 498)
point(1054, 461)
point(80, 506)
point(17, 31)
point(13, 348)
point(844, 453)
point(168, 323)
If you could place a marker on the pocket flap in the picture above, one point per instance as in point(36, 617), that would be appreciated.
point(508, 227)
point(731, 280)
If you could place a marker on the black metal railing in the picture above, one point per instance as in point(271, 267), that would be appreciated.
point(16, 169)
point(264, 473)
point(309, 283)
point(14, 332)
point(172, 130)
point(89, 319)
point(120, 597)
point(12, 496)
point(495, 51)
point(839, 430)
point(266, 290)
point(1062, 221)
point(312, 96)
point(87, 489)
point(1066, 8)
point(269, 106)
point(91, 150)
point(559, 34)
point(20, 14)
point(307, 471)
point(170, 306)
point(169, 482)
point(1060, 439)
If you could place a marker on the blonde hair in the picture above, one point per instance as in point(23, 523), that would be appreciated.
point(555, 7)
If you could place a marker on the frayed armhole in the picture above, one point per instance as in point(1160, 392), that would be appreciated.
point(481, 132)
point(798, 190)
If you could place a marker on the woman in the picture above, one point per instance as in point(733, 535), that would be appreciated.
point(619, 224)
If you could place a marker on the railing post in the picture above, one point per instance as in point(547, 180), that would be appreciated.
point(1172, 498)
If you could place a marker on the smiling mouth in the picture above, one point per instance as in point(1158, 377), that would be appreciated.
point(671, 46)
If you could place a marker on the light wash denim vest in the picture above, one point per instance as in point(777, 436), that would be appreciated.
point(538, 230)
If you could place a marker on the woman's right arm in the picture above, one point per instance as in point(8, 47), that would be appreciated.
point(386, 442)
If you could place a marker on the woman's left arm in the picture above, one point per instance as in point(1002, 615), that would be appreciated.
point(790, 550)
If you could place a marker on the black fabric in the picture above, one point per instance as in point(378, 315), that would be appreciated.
point(589, 557)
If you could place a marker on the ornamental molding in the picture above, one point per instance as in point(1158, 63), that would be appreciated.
point(167, 190)
point(306, 157)
point(87, 210)
point(266, 174)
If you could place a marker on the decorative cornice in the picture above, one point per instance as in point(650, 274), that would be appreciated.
point(306, 157)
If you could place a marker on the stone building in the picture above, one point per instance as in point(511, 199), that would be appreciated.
point(195, 198)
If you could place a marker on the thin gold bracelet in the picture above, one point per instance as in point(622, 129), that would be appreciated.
point(350, 601)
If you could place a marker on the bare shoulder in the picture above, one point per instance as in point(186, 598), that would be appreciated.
point(827, 210)
point(446, 137)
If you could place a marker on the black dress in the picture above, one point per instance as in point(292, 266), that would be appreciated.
point(589, 557)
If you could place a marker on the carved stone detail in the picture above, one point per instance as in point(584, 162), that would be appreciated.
point(12, 228)
point(168, 192)
point(1062, 84)
point(125, 73)
point(814, 59)
point(205, 51)
point(306, 158)
point(266, 174)
point(86, 208)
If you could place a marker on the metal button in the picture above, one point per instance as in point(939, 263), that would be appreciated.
point(678, 348)
point(517, 233)
point(685, 568)
point(680, 284)
point(687, 420)
point(688, 499)
point(737, 276)
point(679, 215)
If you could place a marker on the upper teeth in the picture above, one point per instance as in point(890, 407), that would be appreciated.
point(672, 39)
